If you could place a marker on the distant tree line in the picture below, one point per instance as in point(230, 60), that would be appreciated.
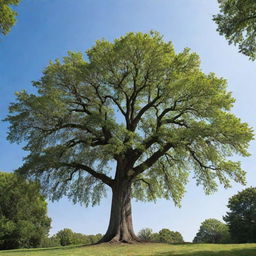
point(163, 236)
point(66, 237)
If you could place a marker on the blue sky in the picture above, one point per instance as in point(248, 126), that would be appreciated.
point(47, 29)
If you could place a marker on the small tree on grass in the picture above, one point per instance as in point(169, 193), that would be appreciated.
point(212, 231)
point(135, 117)
point(23, 219)
point(241, 217)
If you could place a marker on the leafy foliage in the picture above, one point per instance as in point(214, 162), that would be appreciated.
point(52, 241)
point(164, 236)
point(237, 22)
point(67, 237)
point(7, 15)
point(134, 103)
point(145, 234)
point(241, 217)
point(23, 219)
point(168, 236)
point(212, 231)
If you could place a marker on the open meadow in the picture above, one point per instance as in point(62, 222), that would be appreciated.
point(141, 250)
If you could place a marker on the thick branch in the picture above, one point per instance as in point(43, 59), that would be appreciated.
point(152, 159)
point(143, 110)
point(104, 178)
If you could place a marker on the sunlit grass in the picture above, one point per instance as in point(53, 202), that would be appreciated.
point(141, 250)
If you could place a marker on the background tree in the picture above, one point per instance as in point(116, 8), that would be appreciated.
point(241, 217)
point(23, 219)
point(7, 15)
point(168, 236)
point(65, 236)
point(155, 237)
point(135, 117)
point(52, 241)
point(145, 234)
point(212, 231)
point(237, 22)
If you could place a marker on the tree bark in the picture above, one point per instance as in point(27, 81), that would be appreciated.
point(120, 227)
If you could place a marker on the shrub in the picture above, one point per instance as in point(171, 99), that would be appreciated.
point(145, 234)
point(168, 236)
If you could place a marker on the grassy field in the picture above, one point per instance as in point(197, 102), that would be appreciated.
point(141, 250)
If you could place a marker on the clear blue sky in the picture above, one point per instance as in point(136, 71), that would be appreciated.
point(47, 29)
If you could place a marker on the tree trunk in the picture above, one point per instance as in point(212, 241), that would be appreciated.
point(120, 227)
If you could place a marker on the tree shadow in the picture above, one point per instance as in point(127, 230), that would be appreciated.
point(230, 252)
point(43, 249)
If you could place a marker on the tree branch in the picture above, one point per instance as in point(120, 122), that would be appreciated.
point(117, 104)
point(193, 154)
point(104, 178)
point(152, 159)
point(149, 186)
point(143, 110)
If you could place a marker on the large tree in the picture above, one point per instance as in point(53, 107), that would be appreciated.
point(7, 15)
point(237, 22)
point(133, 116)
point(23, 213)
point(241, 217)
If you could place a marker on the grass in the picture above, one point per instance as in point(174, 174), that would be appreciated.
point(140, 250)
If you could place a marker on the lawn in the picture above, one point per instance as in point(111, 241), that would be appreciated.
point(141, 250)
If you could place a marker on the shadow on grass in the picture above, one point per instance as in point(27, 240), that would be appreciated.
point(44, 249)
point(230, 252)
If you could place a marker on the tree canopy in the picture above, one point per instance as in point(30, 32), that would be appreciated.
point(241, 217)
point(237, 22)
point(7, 15)
point(23, 213)
point(212, 231)
point(134, 116)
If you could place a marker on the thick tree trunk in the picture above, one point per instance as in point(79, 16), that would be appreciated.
point(120, 227)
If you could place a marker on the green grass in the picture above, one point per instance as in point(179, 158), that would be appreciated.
point(141, 250)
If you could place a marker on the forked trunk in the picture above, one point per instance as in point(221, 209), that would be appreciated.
point(120, 227)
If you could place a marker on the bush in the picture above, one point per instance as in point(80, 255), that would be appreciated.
point(145, 234)
point(155, 237)
point(168, 236)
